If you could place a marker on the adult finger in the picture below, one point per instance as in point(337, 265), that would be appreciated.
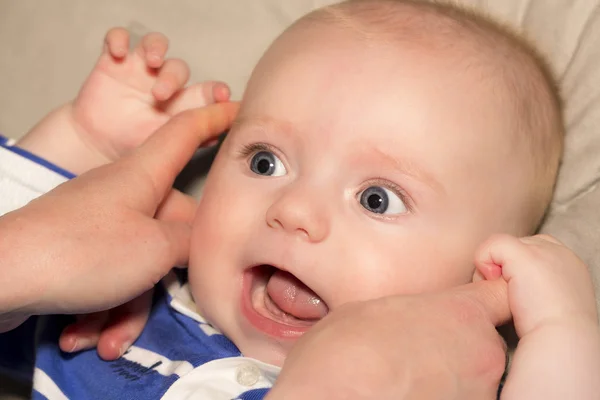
point(489, 296)
point(167, 151)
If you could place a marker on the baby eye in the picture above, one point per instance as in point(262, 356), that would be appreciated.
point(380, 200)
point(267, 164)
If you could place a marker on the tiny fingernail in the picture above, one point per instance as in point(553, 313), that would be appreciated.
point(124, 347)
point(153, 56)
point(74, 347)
point(120, 51)
point(81, 344)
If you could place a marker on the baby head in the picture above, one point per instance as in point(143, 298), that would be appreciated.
point(378, 144)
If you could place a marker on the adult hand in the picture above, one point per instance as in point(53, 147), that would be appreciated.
point(430, 346)
point(94, 242)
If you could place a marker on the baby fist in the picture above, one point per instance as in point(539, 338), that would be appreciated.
point(547, 282)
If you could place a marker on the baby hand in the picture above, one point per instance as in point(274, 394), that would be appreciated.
point(551, 298)
point(547, 283)
point(128, 95)
point(112, 331)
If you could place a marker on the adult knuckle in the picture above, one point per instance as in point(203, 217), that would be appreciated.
point(489, 353)
point(492, 362)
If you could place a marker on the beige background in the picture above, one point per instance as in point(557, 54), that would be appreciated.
point(49, 46)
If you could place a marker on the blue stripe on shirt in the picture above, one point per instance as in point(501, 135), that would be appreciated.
point(36, 159)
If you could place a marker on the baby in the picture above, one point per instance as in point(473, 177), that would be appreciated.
point(378, 145)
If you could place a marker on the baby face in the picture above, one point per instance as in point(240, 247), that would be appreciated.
point(356, 170)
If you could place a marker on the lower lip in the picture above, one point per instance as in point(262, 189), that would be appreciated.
point(261, 322)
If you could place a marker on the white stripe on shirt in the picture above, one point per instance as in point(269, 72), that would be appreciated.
point(43, 384)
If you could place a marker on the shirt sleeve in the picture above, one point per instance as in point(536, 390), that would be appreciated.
point(25, 176)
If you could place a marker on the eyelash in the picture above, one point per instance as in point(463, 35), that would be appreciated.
point(408, 203)
point(253, 148)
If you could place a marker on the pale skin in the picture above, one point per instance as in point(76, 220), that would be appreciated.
point(403, 130)
point(383, 360)
point(314, 232)
point(551, 298)
point(140, 90)
point(305, 215)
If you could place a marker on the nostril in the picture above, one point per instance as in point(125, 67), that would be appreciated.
point(303, 232)
point(275, 223)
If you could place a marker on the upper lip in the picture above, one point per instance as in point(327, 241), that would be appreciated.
point(278, 266)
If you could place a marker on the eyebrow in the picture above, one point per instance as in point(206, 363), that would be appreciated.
point(404, 166)
point(265, 123)
point(407, 167)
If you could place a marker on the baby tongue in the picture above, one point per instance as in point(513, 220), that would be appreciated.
point(294, 297)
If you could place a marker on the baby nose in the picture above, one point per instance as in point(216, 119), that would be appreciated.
point(300, 214)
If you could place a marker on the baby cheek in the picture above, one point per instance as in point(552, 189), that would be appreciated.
point(217, 208)
point(205, 230)
point(209, 231)
point(406, 269)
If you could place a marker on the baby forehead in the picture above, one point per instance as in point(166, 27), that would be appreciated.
point(341, 66)
point(389, 33)
point(361, 139)
point(385, 153)
point(378, 108)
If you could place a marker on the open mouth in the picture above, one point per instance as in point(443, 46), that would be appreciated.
point(278, 304)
